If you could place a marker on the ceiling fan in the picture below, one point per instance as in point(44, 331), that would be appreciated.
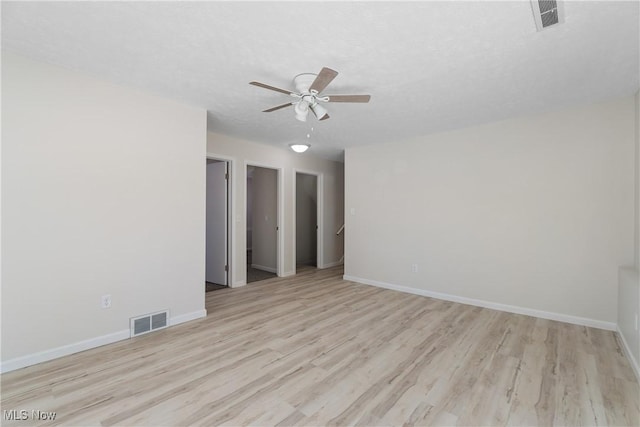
point(308, 88)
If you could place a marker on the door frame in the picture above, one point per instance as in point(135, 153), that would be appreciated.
point(319, 217)
point(280, 213)
point(231, 229)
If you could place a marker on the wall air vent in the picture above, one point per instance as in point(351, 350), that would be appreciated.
point(149, 323)
point(547, 13)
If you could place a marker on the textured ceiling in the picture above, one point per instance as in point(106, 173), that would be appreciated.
point(429, 66)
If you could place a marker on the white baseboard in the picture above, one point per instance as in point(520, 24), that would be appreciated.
point(263, 268)
point(65, 350)
point(583, 321)
point(187, 317)
point(331, 264)
point(288, 273)
point(627, 350)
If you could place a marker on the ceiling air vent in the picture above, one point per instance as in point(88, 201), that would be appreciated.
point(547, 13)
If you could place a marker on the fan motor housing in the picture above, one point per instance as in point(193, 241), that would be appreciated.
point(303, 82)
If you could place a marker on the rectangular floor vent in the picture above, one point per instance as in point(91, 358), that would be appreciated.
point(149, 323)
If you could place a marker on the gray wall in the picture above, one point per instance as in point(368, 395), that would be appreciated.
point(102, 193)
point(534, 213)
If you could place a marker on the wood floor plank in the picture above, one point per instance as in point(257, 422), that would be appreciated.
point(313, 349)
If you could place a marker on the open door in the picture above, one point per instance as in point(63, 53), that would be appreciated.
point(216, 270)
point(262, 223)
point(306, 220)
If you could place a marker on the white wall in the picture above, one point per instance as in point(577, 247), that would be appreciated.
point(264, 219)
point(629, 276)
point(306, 218)
point(239, 153)
point(534, 213)
point(102, 193)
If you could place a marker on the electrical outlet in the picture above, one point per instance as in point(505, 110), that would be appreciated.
point(106, 301)
point(414, 268)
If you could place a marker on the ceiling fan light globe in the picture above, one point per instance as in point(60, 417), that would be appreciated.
point(302, 111)
point(299, 148)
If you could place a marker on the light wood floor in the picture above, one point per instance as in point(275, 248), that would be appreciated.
point(315, 350)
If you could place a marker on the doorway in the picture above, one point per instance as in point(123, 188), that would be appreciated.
point(262, 223)
point(306, 220)
point(217, 225)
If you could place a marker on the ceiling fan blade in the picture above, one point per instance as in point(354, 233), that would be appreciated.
point(349, 98)
point(288, 104)
point(323, 79)
point(271, 88)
